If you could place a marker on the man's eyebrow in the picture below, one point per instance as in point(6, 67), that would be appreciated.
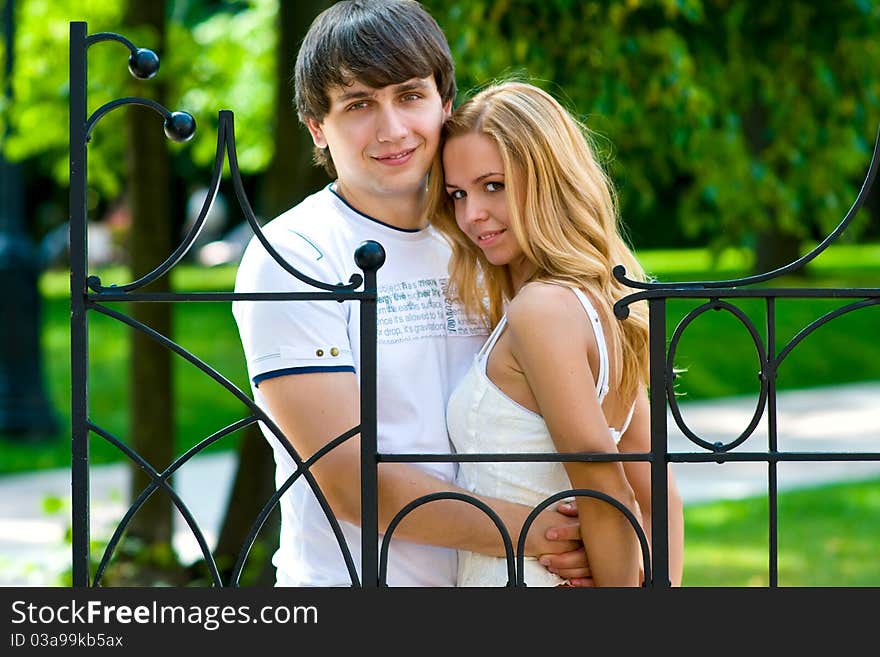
point(409, 85)
point(354, 93)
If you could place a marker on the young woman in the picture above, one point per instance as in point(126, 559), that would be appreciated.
point(533, 224)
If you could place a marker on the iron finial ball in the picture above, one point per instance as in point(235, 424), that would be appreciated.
point(143, 63)
point(369, 256)
point(180, 126)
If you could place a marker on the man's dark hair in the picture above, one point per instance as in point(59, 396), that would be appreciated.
point(374, 42)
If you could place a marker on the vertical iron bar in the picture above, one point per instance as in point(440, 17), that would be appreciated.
point(770, 378)
point(659, 478)
point(369, 462)
point(78, 322)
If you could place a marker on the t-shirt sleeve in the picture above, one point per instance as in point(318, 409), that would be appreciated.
point(291, 337)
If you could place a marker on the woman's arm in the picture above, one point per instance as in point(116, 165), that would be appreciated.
point(638, 439)
point(550, 341)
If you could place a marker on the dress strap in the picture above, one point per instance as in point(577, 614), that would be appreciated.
point(493, 338)
point(602, 377)
point(629, 417)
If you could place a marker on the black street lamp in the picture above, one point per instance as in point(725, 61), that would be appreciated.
point(25, 411)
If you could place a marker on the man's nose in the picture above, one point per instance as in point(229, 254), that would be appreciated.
point(391, 125)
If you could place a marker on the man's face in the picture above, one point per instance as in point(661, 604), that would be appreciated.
point(382, 140)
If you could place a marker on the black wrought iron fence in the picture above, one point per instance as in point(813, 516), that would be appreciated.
point(89, 295)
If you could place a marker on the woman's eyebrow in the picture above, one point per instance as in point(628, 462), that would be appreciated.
point(479, 178)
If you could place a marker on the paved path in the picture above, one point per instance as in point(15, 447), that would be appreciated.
point(844, 419)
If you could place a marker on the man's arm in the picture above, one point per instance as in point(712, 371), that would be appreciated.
point(312, 409)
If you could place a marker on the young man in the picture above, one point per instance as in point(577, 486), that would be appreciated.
point(374, 83)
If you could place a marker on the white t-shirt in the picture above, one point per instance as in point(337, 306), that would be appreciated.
point(425, 345)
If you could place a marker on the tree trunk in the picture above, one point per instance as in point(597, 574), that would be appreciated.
point(776, 248)
point(151, 382)
point(253, 486)
point(290, 177)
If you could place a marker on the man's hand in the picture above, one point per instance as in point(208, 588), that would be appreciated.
point(571, 565)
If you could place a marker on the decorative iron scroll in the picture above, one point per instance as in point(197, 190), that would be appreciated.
point(89, 293)
point(662, 371)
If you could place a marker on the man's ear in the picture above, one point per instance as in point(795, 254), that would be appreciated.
point(317, 133)
point(447, 109)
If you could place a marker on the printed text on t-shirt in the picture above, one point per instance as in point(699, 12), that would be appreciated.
point(420, 308)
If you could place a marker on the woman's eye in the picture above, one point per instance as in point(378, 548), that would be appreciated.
point(457, 194)
point(494, 186)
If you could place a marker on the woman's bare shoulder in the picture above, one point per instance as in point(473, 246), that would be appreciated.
point(541, 307)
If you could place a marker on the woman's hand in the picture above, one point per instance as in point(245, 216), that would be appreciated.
point(573, 564)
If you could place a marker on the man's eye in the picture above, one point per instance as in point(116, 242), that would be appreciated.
point(411, 97)
point(356, 106)
point(494, 186)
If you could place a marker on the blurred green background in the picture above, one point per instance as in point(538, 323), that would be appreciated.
point(738, 134)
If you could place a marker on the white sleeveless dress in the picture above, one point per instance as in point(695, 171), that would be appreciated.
point(482, 419)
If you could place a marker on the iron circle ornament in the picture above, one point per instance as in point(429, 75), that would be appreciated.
point(716, 304)
point(143, 63)
point(180, 126)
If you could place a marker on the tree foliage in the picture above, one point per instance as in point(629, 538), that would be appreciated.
point(720, 118)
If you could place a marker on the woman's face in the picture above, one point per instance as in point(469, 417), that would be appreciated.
point(474, 177)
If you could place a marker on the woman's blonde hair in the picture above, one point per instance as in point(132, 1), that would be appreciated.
point(566, 221)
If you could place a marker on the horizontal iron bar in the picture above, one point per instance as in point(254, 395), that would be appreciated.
point(767, 292)
point(847, 293)
point(537, 457)
point(675, 457)
point(703, 457)
point(100, 297)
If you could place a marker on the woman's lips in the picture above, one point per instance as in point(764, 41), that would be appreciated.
point(487, 238)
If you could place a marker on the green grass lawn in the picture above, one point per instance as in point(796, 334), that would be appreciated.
point(718, 355)
point(206, 329)
point(828, 536)
point(716, 352)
